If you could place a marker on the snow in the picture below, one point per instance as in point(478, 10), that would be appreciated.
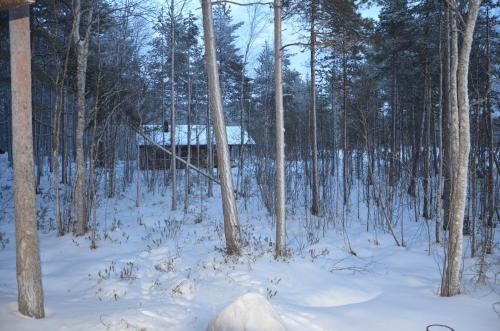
point(155, 269)
point(249, 312)
point(198, 135)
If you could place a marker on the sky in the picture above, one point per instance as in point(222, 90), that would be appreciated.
point(291, 31)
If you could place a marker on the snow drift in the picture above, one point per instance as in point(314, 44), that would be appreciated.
point(249, 312)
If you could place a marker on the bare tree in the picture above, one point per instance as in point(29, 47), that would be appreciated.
point(255, 28)
point(187, 184)
point(61, 74)
point(489, 123)
point(446, 118)
point(440, 129)
point(460, 137)
point(173, 164)
point(314, 136)
point(29, 277)
point(231, 226)
point(280, 135)
point(82, 50)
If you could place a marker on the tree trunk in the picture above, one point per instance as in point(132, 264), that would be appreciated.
point(173, 166)
point(56, 121)
point(461, 136)
point(446, 120)
point(440, 133)
point(346, 155)
point(394, 158)
point(314, 138)
point(416, 155)
point(80, 216)
point(425, 183)
point(491, 151)
point(28, 271)
point(231, 226)
point(280, 136)
point(63, 138)
point(210, 159)
point(187, 184)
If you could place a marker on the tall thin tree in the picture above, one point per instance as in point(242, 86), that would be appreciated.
point(231, 225)
point(80, 216)
point(312, 101)
point(280, 135)
point(173, 165)
point(460, 143)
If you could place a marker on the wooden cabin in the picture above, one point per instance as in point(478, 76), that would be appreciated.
point(152, 157)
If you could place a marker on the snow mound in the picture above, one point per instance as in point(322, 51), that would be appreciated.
point(249, 312)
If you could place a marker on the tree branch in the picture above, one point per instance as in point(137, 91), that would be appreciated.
point(219, 2)
point(457, 12)
point(295, 44)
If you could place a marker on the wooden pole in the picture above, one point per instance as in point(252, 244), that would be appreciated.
point(28, 271)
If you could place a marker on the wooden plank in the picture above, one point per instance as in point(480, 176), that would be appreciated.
point(9, 4)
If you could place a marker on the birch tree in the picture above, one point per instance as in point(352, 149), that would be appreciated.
point(80, 216)
point(460, 143)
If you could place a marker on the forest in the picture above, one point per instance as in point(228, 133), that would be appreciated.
point(249, 165)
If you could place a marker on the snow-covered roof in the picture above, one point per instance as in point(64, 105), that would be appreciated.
point(198, 135)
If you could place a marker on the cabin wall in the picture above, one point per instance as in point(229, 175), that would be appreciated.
point(153, 158)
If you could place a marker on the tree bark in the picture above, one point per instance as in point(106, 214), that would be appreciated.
point(187, 184)
point(173, 164)
point(394, 156)
point(56, 120)
point(461, 136)
point(80, 216)
point(314, 138)
point(440, 132)
point(280, 136)
point(210, 159)
point(446, 119)
point(346, 154)
point(57, 127)
point(231, 225)
point(425, 183)
point(491, 151)
point(28, 270)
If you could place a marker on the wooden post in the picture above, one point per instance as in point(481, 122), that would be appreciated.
point(29, 278)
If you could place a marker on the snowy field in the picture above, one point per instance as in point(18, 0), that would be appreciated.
point(158, 270)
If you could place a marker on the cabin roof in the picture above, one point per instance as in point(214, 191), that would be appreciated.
point(198, 135)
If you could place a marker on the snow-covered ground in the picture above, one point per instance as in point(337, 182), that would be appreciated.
point(160, 270)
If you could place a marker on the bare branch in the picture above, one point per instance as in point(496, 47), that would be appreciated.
point(219, 2)
point(295, 44)
point(457, 12)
